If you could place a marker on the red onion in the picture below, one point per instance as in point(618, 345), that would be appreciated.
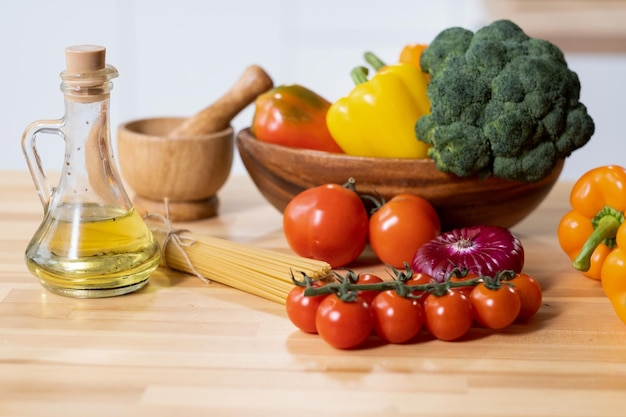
point(484, 250)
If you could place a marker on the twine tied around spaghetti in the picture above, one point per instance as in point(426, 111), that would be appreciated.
point(174, 236)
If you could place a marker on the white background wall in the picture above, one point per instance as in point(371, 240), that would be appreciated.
point(175, 57)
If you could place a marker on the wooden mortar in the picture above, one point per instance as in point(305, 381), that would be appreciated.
point(186, 161)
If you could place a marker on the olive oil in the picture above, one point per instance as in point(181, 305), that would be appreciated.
point(91, 242)
point(108, 252)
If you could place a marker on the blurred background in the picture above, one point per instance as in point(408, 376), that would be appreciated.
point(175, 58)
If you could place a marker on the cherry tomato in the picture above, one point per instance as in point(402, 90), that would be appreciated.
point(419, 278)
point(467, 290)
point(301, 309)
point(366, 278)
point(397, 319)
point(400, 227)
point(449, 316)
point(530, 294)
point(327, 223)
point(495, 308)
point(344, 325)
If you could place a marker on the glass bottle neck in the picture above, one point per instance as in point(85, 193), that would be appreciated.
point(88, 87)
point(87, 136)
point(89, 175)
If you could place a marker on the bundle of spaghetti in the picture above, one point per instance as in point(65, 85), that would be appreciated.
point(259, 271)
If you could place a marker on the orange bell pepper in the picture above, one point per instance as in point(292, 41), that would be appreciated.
point(614, 274)
point(593, 234)
point(412, 53)
point(587, 233)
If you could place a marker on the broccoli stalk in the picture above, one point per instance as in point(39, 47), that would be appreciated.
point(502, 104)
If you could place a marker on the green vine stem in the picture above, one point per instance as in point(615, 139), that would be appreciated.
point(347, 289)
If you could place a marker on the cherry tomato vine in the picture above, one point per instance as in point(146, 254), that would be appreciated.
point(345, 310)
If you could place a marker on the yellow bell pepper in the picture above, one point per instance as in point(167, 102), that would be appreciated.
point(378, 117)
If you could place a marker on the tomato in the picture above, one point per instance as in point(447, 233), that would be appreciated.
point(467, 290)
point(301, 309)
point(495, 308)
point(344, 325)
point(366, 278)
point(327, 223)
point(400, 227)
point(449, 316)
point(419, 278)
point(530, 294)
point(428, 208)
point(397, 319)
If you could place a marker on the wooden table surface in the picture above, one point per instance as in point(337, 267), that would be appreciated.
point(180, 347)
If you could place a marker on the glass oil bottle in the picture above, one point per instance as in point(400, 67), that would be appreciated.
point(91, 242)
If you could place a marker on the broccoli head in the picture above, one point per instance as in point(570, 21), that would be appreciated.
point(502, 104)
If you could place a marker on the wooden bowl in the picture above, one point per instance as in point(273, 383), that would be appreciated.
point(281, 172)
point(187, 171)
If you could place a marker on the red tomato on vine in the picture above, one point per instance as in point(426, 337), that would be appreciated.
point(448, 316)
point(327, 223)
point(530, 294)
point(302, 309)
point(467, 290)
point(367, 278)
point(400, 227)
point(342, 324)
point(397, 319)
point(495, 308)
point(419, 278)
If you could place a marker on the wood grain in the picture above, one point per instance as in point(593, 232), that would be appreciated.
point(187, 171)
point(180, 347)
point(587, 26)
point(281, 172)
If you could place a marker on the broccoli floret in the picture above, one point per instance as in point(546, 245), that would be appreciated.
point(456, 139)
point(502, 104)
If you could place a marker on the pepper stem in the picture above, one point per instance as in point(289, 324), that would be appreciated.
point(374, 60)
point(359, 75)
point(606, 223)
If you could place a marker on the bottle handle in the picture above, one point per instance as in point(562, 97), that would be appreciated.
point(29, 147)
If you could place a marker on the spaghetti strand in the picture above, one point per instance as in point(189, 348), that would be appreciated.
point(262, 272)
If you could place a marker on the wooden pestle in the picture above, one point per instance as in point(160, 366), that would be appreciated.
point(218, 115)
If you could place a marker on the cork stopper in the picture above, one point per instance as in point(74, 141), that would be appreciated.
point(86, 78)
point(81, 59)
